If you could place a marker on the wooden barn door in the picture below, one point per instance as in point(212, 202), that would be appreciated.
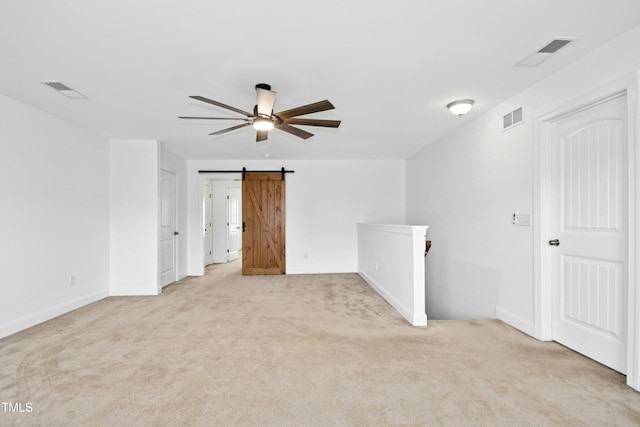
point(263, 214)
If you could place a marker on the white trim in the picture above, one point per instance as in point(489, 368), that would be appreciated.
point(408, 230)
point(541, 196)
point(30, 320)
point(518, 322)
point(415, 318)
point(132, 292)
point(542, 175)
point(633, 328)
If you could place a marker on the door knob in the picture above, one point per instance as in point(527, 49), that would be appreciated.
point(554, 242)
point(176, 233)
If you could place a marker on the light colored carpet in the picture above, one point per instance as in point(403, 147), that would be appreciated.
point(294, 350)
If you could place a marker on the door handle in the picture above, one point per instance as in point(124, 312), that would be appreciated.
point(554, 242)
point(176, 233)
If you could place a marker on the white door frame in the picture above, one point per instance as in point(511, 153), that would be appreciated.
point(544, 127)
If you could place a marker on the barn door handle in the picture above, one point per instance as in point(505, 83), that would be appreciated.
point(554, 242)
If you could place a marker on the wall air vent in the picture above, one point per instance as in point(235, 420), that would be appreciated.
point(545, 52)
point(64, 90)
point(513, 118)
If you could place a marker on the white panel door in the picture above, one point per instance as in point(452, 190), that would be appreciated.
point(168, 231)
point(589, 264)
point(234, 222)
point(207, 225)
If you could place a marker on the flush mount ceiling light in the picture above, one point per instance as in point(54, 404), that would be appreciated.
point(461, 106)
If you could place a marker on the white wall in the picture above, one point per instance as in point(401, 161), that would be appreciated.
point(134, 217)
point(54, 218)
point(391, 260)
point(177, 165)
point(467, 185)
point(325, 199)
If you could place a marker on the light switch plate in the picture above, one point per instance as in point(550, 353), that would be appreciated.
point(522, 219)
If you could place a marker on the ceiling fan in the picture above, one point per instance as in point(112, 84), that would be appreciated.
point(263, 119)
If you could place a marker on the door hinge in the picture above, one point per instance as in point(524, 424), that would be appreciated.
point(227, 250)
point(210, 195)
point(227, 197)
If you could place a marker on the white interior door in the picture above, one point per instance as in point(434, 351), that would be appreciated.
point(589, 265)
point(234, 222)
point(207, 226)
point(168, 231)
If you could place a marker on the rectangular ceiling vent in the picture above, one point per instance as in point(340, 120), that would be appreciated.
point(64, 90)
point(555, 45)
point(513, 118)
point(545, 52)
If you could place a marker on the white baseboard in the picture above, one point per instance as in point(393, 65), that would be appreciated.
point(516, 321)
point(30, 320)
point(416, 319)
point(133, 292)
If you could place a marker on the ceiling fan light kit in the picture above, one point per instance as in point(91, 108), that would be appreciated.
point(461, 106)
point(263, 119)
point(262, 123)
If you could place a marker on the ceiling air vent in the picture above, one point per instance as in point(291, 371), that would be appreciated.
point(555, 46)
point(513, 118)
point(65, 90)
point(545, 52)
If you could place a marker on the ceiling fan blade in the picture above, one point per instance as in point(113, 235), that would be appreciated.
point(220, 104)
point(214, 118)
point(294, 131)
point(266, 99)
point(262, 135)
point(313, 122)
point(306, 109)
point(220, 132)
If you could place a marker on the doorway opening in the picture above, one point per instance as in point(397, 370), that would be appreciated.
point(222, 220)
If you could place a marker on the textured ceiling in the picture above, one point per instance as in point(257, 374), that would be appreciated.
point(388, 67)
